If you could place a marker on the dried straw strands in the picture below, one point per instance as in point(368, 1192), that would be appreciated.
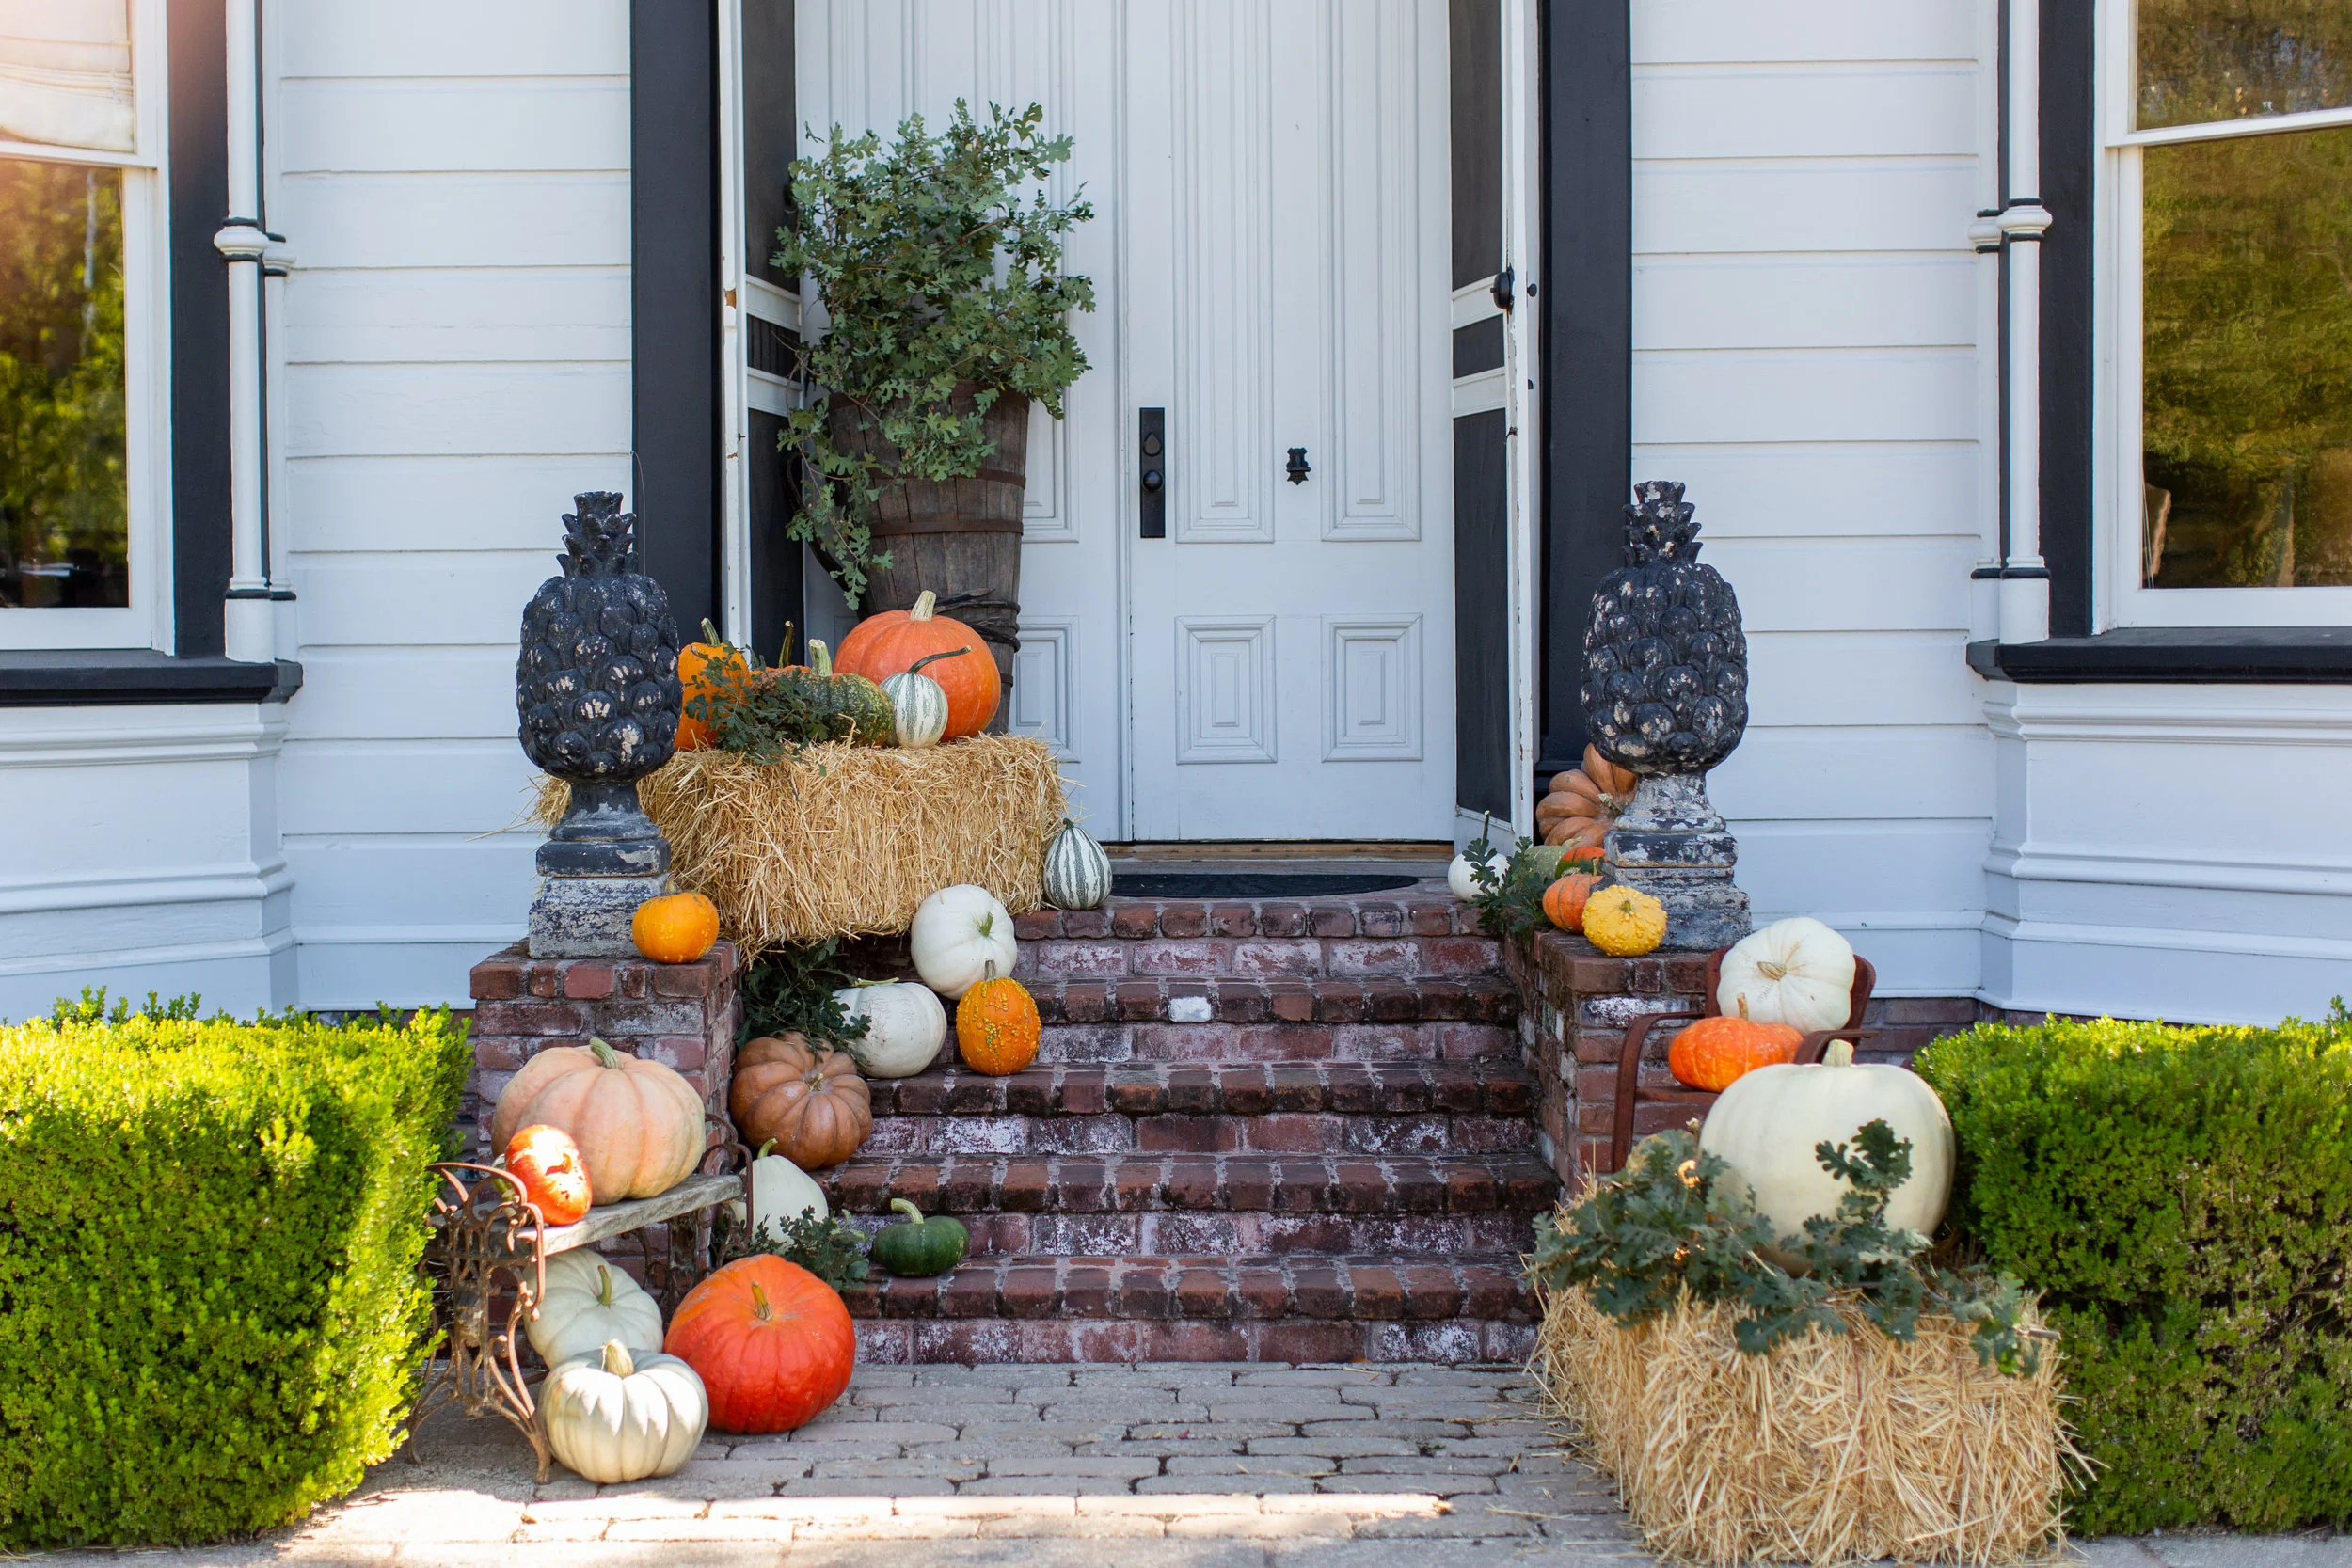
point(850, 839)
point(1838, 1448)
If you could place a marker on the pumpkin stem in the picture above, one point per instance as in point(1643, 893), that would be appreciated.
point(1840, 1054)
point(988, 923)
point(1743, 1006)
point(760, 1308)
point(710, 634)
point(783, 655)
point(764, 1148)
point(987, 971)
point(604, 1286)
point(819, 658)
point(617, 1360)
point(916, 668)
point(926, 605)
point(1772, 971)
point(908, 1210)
point(605, 1054)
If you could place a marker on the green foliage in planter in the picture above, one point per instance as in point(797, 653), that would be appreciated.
point(1510, 899)
point(2182, 1200)
point(790, 990)
point(210, 1315)
point(1668, 1224)
point(932, 271)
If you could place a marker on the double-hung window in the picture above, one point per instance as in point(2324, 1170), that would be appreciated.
point(83, 482)
point(2227, 130)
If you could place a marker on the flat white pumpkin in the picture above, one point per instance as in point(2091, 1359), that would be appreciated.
point(1797, 972)
point(1460, 878)
point(958, 933)
point(781, 1192)
point(905, 1026)
point(618, 1414)
point(588, 1300)
point(1766, 1125)
point(1077, 872)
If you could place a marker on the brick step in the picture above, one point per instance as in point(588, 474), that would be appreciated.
point(1267, 1184)
point(1320, 999)
point(1201, 1307)
point(1268, 1044)
point(1303, 1107)
point(1168, 1232)
point(1425, 910)
point(1257, 958)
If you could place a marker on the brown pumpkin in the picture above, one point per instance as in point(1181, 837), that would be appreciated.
point(639, 1125)
point(1715, 1053)
point(1584, 801)
point(811, 1105)
point(1565, 900)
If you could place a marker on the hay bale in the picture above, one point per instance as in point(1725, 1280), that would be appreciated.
point(1837, 1449)
point(846, 840)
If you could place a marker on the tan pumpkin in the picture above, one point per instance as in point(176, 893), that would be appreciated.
point(638, 1124)
point(1584, 801)
point(811, 1105)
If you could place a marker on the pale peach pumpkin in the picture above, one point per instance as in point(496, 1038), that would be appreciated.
point(639, 1124)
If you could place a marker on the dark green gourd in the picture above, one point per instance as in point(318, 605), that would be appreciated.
point(921, 1248)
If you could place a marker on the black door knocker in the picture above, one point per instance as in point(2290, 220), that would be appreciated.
point(1297, 468)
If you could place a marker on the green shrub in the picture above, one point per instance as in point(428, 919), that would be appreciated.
point(209, 1233)
point(2182, 1198)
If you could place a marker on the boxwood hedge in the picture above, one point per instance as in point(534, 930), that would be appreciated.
point(209, 1233)
point(2182, 1200)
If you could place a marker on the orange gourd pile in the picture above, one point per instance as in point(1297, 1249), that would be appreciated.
point(1584, 801)
point(1715, 1053)
point(889, 643)
point(772, 1342)
point(996, 1025)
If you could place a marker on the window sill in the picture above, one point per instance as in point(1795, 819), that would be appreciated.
point(81, 678)
point(2172, 656)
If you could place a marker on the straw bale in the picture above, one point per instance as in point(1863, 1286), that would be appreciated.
point(1837, 1449)
point(846, 840)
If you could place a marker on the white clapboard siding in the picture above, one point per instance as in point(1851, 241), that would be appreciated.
point(1806, 360)
point(456, 190)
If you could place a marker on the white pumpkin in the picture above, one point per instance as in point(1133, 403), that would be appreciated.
point(781, 1192)
point(1796, 972)
point(589, 1300)
point(918, 704)
point(1077, 872)
point(615, 1414)
point(957, 932)
point(1766, 1125)
point(905, 1026)
point(1460, 878)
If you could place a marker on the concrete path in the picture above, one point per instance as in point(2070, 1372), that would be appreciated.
point(1171, 1465)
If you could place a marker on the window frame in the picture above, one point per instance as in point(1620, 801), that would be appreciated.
point(147, 622)
point(2119, 601)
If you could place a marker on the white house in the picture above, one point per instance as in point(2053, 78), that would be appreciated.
point(2045, 713)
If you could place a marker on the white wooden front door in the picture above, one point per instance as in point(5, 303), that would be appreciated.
point(1270, 263)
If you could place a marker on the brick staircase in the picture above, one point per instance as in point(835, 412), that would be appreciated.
point(1294, 1131)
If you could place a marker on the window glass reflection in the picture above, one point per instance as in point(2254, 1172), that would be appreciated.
point(64, 503)
point(2205, 60)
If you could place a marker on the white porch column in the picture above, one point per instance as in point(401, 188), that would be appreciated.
point(2024, 591)
point(242, 241)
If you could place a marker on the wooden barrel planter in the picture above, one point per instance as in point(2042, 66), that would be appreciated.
point(961, 538)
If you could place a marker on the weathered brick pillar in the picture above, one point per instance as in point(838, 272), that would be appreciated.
point(1577, 1002)
point(681, 1015)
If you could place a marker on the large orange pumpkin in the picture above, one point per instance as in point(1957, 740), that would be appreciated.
point(1584, 801)
point(638, 1124)
point(1565, 898)
point(887, 644)
point(548, 1164)
point(676, 928)
point(811, 1105)
point(772, 1342)
point(1715, 1053)
point(996, 1026)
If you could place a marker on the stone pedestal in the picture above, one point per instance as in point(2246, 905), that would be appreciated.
point(684, 1016)
point(603, 859)
point(1672, 846)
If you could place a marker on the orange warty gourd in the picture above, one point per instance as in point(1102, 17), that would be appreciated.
point(1715, 1053)
point(772, 1342)
point(1565, 898)
point(996, 1026)
point(548, 1165)
point(675, 929)
point(1584, 801)
point(638, 1124)
point(887, 644)
point(811, 1105)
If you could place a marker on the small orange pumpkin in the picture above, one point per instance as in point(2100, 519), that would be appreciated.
point(811, 1105)
point(773, 1343)
point(709, 669)
point(1565, 898)
point(996, 1026)
point(553, 1172)
point(1715, 1053)
point(675, 929)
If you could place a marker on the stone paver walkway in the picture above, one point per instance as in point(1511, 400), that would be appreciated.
point(1178, 1464)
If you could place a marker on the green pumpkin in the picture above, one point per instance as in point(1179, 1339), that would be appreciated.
point(846, 708)
point(921, 1248)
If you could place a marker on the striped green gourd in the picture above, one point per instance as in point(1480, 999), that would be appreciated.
point(1077, 872)
point(919, 703)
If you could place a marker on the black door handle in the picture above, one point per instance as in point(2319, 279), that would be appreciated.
point(1152, 433)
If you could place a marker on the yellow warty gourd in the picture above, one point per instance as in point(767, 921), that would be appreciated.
point(1624, 922)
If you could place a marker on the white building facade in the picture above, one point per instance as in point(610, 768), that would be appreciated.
point(1875, 281)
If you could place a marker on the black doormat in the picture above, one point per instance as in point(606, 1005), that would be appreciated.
point(1252, 885)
